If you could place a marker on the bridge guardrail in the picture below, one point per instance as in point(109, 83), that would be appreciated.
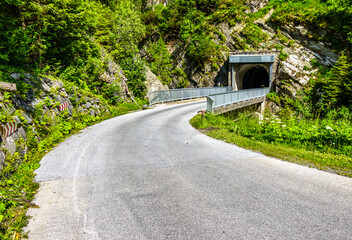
point(183, 94)
point(222, 99)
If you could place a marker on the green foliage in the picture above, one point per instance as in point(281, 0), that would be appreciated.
point(337, 85)
point(283, 56)
point(160, 61)
point(135, 72)
point(332, 15)
point(181, 78)
point(128, 27)
point(330, 89)
point(191, 22)
point(202, 49)
point(254, 35)
point(66, 38)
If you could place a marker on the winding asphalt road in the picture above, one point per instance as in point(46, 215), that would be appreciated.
point(150, 175)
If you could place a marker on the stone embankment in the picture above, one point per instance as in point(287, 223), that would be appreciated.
point(41, 102)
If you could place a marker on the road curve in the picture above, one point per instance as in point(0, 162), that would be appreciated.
point(150, 175)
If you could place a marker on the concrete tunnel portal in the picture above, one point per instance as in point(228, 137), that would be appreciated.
point(251, 70)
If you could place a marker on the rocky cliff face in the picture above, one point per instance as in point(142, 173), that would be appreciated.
point(256, 5)
point(114, 75)
point(299, 53)
point(156, 2)
point(46, 101)
point(153, 82)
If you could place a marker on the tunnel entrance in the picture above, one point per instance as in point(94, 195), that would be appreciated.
point(256, 77)
point(252, 69)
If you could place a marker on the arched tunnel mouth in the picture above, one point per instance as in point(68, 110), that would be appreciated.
point(256, 77)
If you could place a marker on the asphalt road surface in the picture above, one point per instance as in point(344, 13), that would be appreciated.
point(150, 175)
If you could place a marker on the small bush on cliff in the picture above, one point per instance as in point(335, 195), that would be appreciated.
point(160, 61)
point(254, 35)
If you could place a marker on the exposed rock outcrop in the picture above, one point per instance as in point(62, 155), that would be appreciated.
point(114, 75)
point(256, 5)
point(156, 2)
point(153, 82)
point(44, 101)
point(299, 53)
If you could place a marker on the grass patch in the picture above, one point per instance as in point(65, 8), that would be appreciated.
point(219, 127)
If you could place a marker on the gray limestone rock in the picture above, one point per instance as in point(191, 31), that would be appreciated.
point(27, 75)
point(22, 150)
point(87, 105)
point(21, 133)
point(57, 84)
point(80, 109)
point(28, 118)
point(16, 76)
point(10, 145)
point(91, 112)
point(256, 5)
point(153, 82)
point(15, 136)
point(46, 87)
point(156, 2)
point(35, 102)
point(2, 159)
point(47, 81)
point(21, 104)
point(17, 119)
point(59, 98)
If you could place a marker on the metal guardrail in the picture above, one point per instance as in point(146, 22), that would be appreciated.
point(220, 100)
point(183, 94)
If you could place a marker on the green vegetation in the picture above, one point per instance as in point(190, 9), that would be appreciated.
point(330, 89)
point(160, 61)
point(324, 144)
point(334, 16)
point(72, 41)
point(65, 39)
point(17, 186)
point(191, 23)
point(254, 34)
point(76, 40)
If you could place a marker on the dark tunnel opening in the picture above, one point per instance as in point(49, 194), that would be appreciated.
point(256, 77)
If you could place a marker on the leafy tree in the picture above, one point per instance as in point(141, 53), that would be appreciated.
point(128, 27)
point(160, 61)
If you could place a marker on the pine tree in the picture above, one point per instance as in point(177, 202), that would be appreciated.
point(338, 85)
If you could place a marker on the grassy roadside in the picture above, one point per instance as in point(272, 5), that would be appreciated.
point(17, 186)
point(339, 164)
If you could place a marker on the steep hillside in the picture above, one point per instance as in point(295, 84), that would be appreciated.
point(66, 64)
point(198, 35)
